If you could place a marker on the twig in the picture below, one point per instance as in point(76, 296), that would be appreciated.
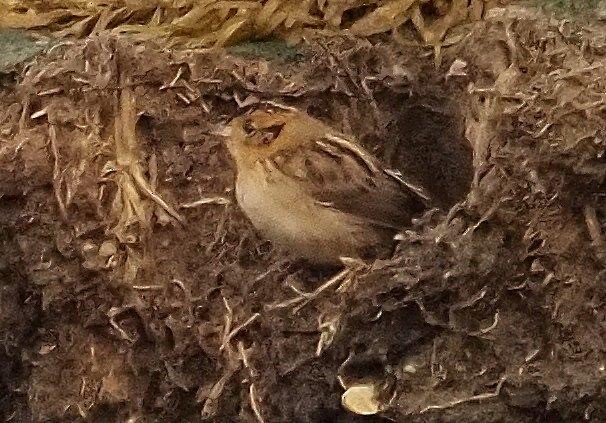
point(24, 113)
point(244, 356)
point(306, 297)
point(210, 81)
point(188, 296)
point(465, 304)
point(480, 397)
point(207, 200)
point(248, 101)
point(273, 268)
point(595, 232)
point(489, 328)
point(284, 304)
point(211, 405)
point(52, 133)
point(229, 317)
point(327, 329)
point(338, 61)
point(189, 88)
point(335, 280)
point(147, 287)
point(370, 97)
point(236, 330)
point(127, 147)
point(489, 213)
point(437, 370)
point(205, 106)
point(50, 91)
point(39, 114)
point(143, 185)
point(172, 83)
point(115, 312)
point(347, 283)
point(253, 403)
point(183, 98)
point(251, 390)
point(278, 105)
point(181, 285)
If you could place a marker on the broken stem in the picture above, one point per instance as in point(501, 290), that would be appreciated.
point(238, 329)
point(253, 403)
point(211, 405)
point(127, 150)
point(207, 200)
point(595, 232)
point(480, 397)
point(115, 312)
point(52, 133)
point(229, 317)
point(335, 280)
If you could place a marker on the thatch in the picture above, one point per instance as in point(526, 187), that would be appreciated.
point(221, 22)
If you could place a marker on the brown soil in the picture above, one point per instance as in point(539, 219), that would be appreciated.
point(492, 308)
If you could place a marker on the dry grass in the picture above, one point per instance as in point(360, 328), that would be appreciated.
point(223, 22)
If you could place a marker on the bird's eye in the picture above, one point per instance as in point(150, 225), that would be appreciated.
point(248, 127)
point(272, 132)
point(265, 136)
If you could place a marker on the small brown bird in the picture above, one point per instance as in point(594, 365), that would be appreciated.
point(315, 191)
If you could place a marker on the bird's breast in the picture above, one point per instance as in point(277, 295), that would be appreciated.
point(274, 206)
point(285, 213)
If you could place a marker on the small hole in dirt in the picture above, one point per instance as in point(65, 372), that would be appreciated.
point(170, 338)
point(156, 132)
point(363, 366)
point(430, 146)
point(145, 124)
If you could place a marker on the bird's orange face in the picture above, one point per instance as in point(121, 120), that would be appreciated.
point(258, 134)
point(262, 127)
point(262, 133)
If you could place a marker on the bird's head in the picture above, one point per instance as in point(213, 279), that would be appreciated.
point(261, 132)
point(269, 129)
point(261, 128)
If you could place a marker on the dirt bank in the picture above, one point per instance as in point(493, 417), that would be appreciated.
point(132, 287)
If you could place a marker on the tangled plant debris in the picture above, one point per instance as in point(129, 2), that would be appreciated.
point(220, 22)
point(132, 288)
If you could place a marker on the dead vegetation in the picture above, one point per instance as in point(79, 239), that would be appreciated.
point(132, 288)
point(221, 22)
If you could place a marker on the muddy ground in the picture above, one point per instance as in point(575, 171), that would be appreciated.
point(133, 289)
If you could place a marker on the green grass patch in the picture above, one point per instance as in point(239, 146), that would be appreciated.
point(570, 7)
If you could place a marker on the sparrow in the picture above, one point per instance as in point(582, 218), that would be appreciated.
point(314, 190)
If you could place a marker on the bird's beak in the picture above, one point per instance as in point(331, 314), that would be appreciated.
point(221, 130)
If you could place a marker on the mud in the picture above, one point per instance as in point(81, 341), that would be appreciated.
point(133, 289)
